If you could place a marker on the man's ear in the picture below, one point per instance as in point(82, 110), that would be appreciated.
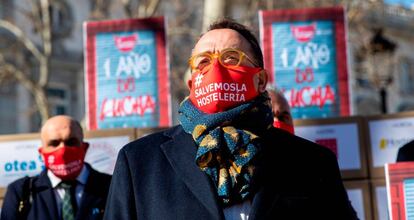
point(40, 150)
point(86, 146)
point(262, 81)
point(189, 84)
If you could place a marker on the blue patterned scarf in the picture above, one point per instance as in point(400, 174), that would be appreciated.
point(228, 143)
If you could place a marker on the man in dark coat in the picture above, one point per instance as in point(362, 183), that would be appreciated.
point(406, 152)
point(225, 160)
point(282, 117)
point(68, 188)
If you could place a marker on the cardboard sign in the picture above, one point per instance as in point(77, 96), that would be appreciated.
point(343, 136)
point(379, 199)
point(357, 200)
point(127, 77)
point(386, 135)
point(359, 196)
point(400, 190)
point(104, 151)
point(305, 55)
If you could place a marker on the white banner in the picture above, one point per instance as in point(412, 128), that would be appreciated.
point(387, 136)
point(18, 159)
point(104, 151)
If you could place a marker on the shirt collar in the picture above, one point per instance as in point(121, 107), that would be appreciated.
point(82, 177)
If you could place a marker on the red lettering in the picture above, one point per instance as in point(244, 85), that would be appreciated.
point(150, 103)
point(317, 98)
point(136, 107)
point(308, 96)
point(127, 106)
point(131, 83)
point(119, 107)
point(296, 99)
point(119, 83)
point(126, 85)
point(309, 74)
point(103, 112)
point(304, 76)
point(329, 94)
point(298, 76)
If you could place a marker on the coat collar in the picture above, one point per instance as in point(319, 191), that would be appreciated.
point(180, 151)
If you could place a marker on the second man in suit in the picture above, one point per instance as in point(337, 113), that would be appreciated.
point(68, 188)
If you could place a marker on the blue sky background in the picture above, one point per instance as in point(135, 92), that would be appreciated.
point(405, 3)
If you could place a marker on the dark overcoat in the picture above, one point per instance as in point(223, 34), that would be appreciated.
point(156, 177)
point(44, 206)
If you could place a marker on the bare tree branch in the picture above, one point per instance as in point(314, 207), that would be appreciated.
point(183, 31)
point(18, 33)
point(152, 8)
point(35, 16)
point(213, 9)
point(127, 8)
point(41, 21)
point(37, 91)
point(47, 43)
point(141, 9)
point(269, 4)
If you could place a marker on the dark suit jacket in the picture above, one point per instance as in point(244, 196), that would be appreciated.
point(156, 178)
point(44, 202)
point(406, 152)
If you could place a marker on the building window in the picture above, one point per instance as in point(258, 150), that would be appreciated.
point(59, 99)
point(60, 110)
point(406, 70)
point(61, 19)
point(6, 9)
point(99, 9)
point(56, 93)
point(8, 108)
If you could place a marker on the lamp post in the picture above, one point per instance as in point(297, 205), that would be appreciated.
point(380, 62)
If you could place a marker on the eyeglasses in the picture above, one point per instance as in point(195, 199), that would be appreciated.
point(228, 57)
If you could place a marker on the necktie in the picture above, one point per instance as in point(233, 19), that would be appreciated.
point(68, 212)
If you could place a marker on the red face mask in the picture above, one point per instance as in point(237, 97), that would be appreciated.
point(65, 162)
point(221, 88)
point(282, 125)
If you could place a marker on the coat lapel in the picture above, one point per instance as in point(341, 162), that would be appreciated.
point(47, 196)
point(180, 152)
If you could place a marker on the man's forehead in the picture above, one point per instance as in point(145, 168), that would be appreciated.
point(58, 126)
point(283, 104)
point(219, 39)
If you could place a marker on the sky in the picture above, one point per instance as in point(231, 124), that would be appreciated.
point(409, 4)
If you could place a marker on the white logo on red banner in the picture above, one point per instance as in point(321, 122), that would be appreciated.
point(303, 33)
point(126, 43)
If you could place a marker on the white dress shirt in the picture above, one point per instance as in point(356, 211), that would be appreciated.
point(239, 211)
point(60, 192)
